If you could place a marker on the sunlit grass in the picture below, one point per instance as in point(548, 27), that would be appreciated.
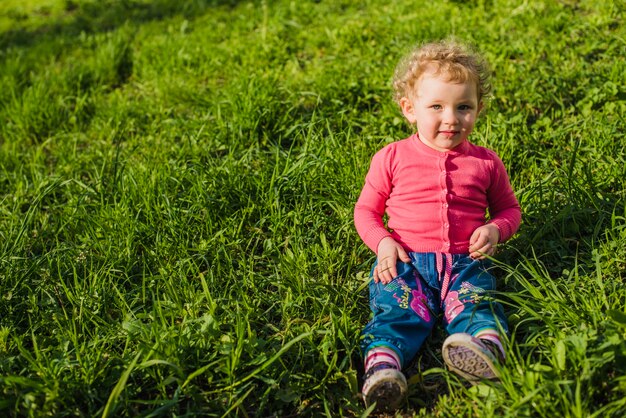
point(178, 180)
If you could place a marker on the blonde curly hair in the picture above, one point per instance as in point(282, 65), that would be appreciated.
point(450, 58)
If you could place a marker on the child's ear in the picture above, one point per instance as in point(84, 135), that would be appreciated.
point(408, 110)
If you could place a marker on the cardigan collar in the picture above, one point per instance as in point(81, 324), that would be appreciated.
point(422, 147)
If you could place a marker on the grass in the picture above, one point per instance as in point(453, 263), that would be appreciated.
point(177, 191)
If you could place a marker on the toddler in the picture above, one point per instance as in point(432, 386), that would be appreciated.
point(448, 204)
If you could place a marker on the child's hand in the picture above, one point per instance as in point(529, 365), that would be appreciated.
point(484, 241)
point(389, 251)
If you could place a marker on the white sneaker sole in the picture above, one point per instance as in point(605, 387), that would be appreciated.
point(463, 356)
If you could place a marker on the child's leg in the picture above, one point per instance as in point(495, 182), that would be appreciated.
point(469, 306)
point(402, 318)
point(474, 321)
point(401, 323)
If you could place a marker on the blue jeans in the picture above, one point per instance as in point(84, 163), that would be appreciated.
point(406, 309)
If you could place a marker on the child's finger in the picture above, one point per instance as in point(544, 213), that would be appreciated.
point(480, 243)
point(377, 275)
point(478, 255)
point(482, 253)
point(403, 256)
point(387, 276)
point(393, 272)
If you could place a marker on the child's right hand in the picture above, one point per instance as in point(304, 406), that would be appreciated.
point(389, 251)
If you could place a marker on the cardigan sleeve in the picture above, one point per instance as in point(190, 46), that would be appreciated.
point(504, 209)
point(370, 207)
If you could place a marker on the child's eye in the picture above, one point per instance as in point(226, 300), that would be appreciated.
point(465, 107)
point(436, 107)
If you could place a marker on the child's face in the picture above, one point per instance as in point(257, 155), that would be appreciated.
point(444, 111)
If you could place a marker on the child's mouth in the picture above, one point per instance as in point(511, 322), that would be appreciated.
point(449, 134)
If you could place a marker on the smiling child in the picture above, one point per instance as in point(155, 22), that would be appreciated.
point(436, 188)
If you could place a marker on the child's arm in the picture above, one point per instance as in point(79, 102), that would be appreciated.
point(505, 214)
point(368, 217)
point(370, 208)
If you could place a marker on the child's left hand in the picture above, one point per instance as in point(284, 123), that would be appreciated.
point(484, 241)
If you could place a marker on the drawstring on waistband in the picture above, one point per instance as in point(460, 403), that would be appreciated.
point(447, 272)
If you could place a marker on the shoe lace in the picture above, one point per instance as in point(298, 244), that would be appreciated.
point(493, 349)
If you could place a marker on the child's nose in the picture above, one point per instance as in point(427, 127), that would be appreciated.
point(450, 116)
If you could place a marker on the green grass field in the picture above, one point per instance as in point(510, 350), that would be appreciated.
point(177, 186)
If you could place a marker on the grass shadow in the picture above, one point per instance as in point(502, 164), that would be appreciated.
point(102, 16)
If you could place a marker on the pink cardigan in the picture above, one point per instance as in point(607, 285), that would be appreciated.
point(434, 200)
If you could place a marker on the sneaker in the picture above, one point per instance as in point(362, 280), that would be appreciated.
point(386, 386)
point(470, 357)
